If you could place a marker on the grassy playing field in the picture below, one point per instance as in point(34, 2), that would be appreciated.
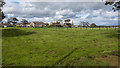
point(59, 47)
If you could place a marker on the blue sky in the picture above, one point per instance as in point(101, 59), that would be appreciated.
point(16, 2)
point(92, 12)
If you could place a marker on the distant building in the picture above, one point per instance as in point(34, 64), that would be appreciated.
point(6, 25)
point(76, 26)
point(73, 24)
point(37, 24)
point(67, 25)
point(19, 25)
point(28, 24)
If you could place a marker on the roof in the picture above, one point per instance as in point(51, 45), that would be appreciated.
point(19, 23)
point(22, 24)
point(6, 24)
point(57, 24)
point(39, 22)
point(67, 23)
point(28, 24)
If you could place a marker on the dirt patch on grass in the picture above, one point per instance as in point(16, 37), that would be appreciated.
point(12, 64)
point(111, 60)
point(95, 40)
point(78, 58)
point(95, 45)
point(109, 46)
point(81, 48)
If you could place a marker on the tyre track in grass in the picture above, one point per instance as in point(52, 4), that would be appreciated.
point(65, 56)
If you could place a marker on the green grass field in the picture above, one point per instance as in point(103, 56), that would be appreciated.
point(59, 47)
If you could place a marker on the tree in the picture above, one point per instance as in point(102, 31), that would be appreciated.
point(114, 3)
point(14, 20)
point(87, 24)
point(2, 16)
point(67, 21)
point(84, 23)
point(60, 20)
point(93, 25)
point(9, 21)
point(24, 22)
point(57, 22)
point(46, 24)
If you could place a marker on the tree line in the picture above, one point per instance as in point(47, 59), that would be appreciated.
point(14, 21)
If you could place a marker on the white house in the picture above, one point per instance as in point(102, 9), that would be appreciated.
point(37, 24)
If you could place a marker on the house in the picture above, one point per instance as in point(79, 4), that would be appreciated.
point(37, 24)
point(28, 25)
point(77, 26)
point(67, 25)
point(23, 25)
point(6, 25)
point(19, 25)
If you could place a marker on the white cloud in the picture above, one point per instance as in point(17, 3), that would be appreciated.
point(112, 19)
point(47, 18)
point(65, 12)
point(67, 0)
point(58, 17)
point(96, 12)
point(85, 16)
point(109, 14)
point(98, 18)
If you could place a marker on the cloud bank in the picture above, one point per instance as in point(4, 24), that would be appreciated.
point(93, 12)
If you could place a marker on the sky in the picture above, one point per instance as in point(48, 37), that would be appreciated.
point(92, 12)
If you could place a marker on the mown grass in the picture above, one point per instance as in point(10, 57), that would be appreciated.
point(59, 47)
